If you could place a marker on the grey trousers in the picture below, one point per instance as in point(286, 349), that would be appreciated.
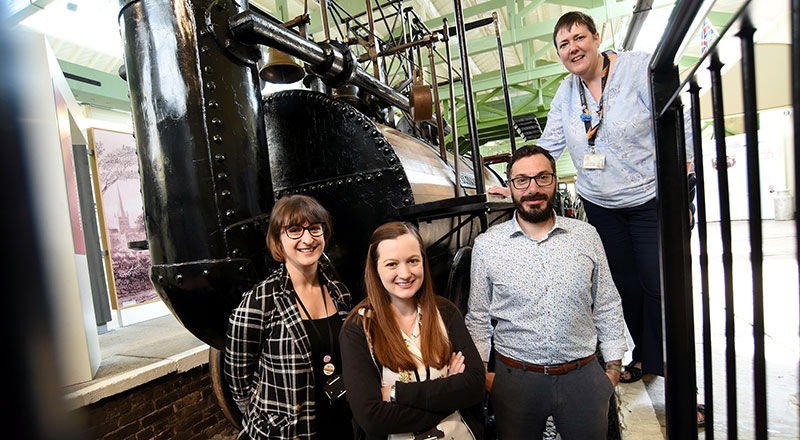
point(578, 402)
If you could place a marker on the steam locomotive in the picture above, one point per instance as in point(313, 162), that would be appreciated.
point(214, 155)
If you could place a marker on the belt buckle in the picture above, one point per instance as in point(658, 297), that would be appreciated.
point(545, 370)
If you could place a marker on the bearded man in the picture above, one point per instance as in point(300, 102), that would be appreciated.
point(544, 280)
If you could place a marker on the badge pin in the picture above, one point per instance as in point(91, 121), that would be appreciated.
point(326, 358)
point(328, 369)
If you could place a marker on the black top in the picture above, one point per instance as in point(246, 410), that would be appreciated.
point(336, 420)
point(418, 406)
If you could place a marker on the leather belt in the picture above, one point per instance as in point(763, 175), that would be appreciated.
point(552, 370)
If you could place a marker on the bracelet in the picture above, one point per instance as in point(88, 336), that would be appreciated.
point(616, 367)
point(391, 394)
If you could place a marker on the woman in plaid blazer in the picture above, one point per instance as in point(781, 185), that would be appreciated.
point(282, 338)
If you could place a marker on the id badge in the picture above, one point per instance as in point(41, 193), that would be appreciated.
point(594, 161)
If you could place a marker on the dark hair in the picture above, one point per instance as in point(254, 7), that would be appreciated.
point(294, 210)
point(379, 323)
point(529, 150)
point(571, 19)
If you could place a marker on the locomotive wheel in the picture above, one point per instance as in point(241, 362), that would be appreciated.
point(216, 359)
point(457, 289)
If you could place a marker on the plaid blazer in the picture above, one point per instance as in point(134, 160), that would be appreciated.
point(267, 358)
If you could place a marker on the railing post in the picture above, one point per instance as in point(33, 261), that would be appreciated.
point(702, 235)
point(676, 287)
point(727, 254)
point(756, 237)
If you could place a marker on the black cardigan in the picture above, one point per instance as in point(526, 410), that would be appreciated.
point(418, 406)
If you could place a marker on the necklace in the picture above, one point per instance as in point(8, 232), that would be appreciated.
point(328, 368)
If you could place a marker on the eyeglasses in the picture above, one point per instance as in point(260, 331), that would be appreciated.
point(523, 182)
point(295, 231)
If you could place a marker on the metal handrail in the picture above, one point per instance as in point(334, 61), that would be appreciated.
point(664, 55)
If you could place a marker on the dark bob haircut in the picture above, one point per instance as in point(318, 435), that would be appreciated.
point(295, 210)
point(571, 19)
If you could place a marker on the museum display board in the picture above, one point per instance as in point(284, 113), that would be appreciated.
point(116, 179)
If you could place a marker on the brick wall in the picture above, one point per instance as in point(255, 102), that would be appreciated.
point(176, 406)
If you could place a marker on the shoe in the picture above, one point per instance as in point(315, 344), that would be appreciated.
point(701, 411)
point(635, 373)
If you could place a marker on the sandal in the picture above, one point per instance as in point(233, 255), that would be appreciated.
point(701, 410)
point(635, 373)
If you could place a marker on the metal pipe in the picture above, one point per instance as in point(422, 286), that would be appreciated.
point(727, 255)
point(377, 7)
point(418, 60)
point(505, 83)
point(446, 61)
point(453, 122)
point(419, 20)
point(383, 18)
point(407, 36)
point(471, 25)
point(249, 28)
point(300, 20)
point(372, 50)
point(702, 235)
point(435, 85)
point(406, 39)
point(472, 125)
point(400, 47)
point(448, 82)
point(756, 240)
point(323, 9)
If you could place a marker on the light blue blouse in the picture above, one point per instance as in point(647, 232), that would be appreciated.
point(625, 136)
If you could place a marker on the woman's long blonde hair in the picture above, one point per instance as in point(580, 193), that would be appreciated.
point(379, 322)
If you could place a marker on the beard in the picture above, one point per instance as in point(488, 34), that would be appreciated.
point(534, 215)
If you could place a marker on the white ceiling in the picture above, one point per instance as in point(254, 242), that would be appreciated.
point(88, 35)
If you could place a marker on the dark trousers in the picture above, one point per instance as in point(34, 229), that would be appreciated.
point(578, 402)
point(630, 238)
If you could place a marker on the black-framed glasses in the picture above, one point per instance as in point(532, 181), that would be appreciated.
point(296, 231)
point(523, 182)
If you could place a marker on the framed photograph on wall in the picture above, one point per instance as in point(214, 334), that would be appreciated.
point(115, 175)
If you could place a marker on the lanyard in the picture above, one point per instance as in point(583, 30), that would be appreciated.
point(311, 321)
point(591, 132)
point(427, 373)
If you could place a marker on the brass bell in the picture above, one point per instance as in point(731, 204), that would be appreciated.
point(420, 99)
point(280, 68)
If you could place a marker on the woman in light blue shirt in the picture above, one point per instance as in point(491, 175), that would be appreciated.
point(602, 113)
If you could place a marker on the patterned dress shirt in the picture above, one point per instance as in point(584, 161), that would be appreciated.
point(268, 358)
point(625, 135)
point(553, 298)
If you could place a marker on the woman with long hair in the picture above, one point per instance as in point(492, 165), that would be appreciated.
point(409, 364)
point(282, 359)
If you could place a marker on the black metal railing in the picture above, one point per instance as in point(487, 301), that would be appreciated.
point(675, 251)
